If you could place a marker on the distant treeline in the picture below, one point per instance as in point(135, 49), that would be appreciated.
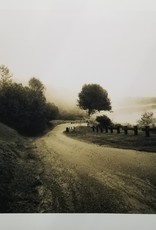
point(24, 107)
point(71, 114)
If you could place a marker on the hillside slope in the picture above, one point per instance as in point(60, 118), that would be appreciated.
point(19, 173)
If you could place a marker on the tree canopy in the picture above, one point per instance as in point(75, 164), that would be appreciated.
point(36, 85)
point(93, 98)
point(147, 119)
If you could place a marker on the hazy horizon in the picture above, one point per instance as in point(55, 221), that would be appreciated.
point(67, 44)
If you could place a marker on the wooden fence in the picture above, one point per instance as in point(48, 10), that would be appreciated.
point(147, 130)
point(124, 129)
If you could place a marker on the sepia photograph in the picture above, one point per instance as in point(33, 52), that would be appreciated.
point(78, 107)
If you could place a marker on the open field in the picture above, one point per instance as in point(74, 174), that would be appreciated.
point(121, 140)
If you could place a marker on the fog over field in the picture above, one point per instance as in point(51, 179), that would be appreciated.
point(67, 44)
point(129, 110)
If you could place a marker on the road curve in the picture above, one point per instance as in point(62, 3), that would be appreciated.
point(80, 177)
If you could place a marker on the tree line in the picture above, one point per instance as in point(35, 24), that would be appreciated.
point(24, 108)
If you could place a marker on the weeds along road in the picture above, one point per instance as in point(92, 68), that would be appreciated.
point(79, 177)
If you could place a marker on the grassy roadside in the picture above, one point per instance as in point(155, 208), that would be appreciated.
point(121, 140)
point(19, 173)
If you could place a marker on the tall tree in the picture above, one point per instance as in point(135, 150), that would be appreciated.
point(93, 98)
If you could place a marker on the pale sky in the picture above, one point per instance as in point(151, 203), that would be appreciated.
point(67, 43)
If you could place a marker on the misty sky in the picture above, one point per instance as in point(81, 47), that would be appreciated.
point(69, 43)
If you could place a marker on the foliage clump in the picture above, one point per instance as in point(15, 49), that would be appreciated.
point(24, 108)
point(93, 98)
point(147, 119)
point(104, 121)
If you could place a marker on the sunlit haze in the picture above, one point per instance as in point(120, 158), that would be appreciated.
point(69, 43)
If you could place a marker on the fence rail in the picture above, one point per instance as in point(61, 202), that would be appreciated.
point(124, 129)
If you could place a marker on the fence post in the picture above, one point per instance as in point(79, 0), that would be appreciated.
point(125, 130)
point(93, 128)
point(118, 129)
point(135, 130)
point(97, 129)
point(67, 129)
point(147, 131)
point(111, 129)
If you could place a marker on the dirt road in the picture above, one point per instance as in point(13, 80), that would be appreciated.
point(79, 177)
